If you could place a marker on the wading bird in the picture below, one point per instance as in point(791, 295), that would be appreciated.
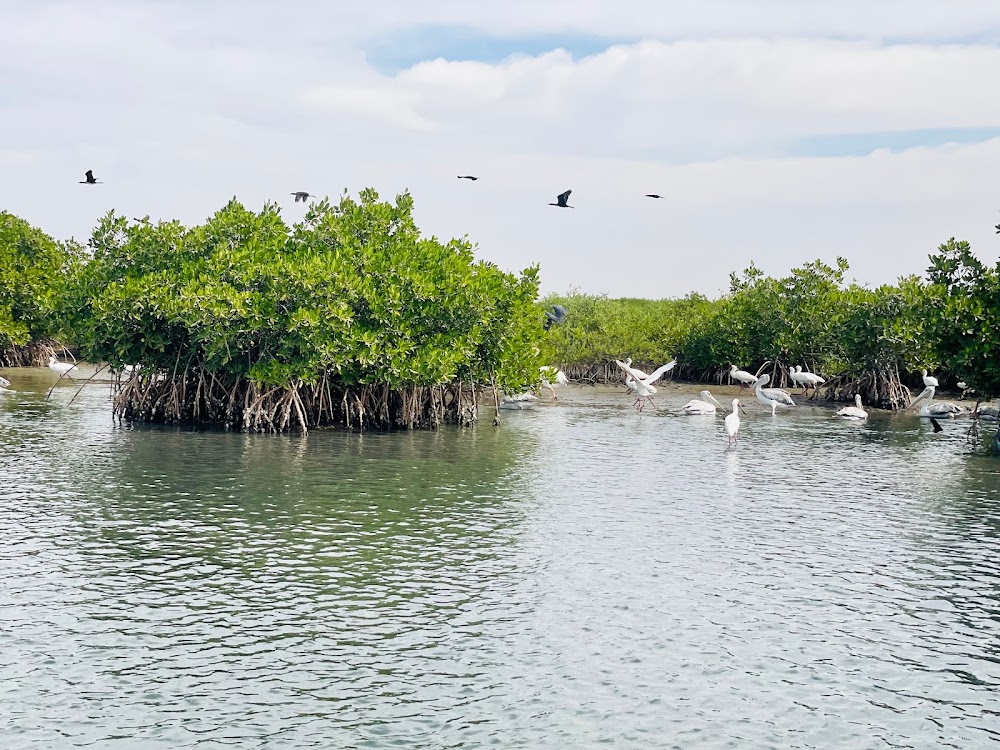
point(554, 316)
point(561, 200)
point(854, 412)
point(929, 380)
point(808, 378)
point(743, 376)
point(644, 388)
point(61, 367)
point(705, 405)
point(733, 424)
point(772, 397)
point(301, 195)
point(939, 409)
point(91, 180)
point(467, 177)
point(556, 374)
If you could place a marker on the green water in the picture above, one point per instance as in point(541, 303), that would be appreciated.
point(580, 577)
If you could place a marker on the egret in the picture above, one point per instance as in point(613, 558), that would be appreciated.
point(929, 380)
point(61, 367)
point(854, 412)
point(562, 200)
point(771, 396)
point(939, 409)
point(644, 388)
point(705, 405)
point(743, 376)
point(560, 378)
point(733, 424)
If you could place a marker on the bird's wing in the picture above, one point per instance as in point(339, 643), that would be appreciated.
point(637, 374)
point(776, 394)
point(659, 372)
point(561, 378)
point(564, 197)
point(90, 174)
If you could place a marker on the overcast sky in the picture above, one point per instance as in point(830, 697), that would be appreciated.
point(778, 131)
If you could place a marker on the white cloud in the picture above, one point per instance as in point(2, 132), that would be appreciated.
point(179, 106)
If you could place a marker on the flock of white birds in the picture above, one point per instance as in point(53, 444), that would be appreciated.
point(642, 385)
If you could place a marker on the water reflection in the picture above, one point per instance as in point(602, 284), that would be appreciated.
point(581, 576)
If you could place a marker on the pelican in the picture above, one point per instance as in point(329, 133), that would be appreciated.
point(706, 405)
point(5, 386)
point(929, 380)
point(743, 376)
point(644, 388)
point(61, 367)
point(854, 412)
point(771, 396)
point(939, 409)
point(733, 424)
point(808, 378)
point(560, 378)
point(520, 402)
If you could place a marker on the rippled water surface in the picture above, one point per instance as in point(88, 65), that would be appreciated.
point(580, 577)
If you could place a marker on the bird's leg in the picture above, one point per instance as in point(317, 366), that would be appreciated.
point(553, 392)
point(650, 400)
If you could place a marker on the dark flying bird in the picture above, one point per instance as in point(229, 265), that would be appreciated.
point(301, 195)
point(467, 177)
point(91, 180)
point(653, 195)
point(998, 228)
point(563, 197)
point(556, 316)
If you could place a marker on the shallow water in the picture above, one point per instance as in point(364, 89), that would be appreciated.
point(581, 577)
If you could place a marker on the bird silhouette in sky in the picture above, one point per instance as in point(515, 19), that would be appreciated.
point(301, 195)
point(562, 198)
point(653, 195)
point(91, 180)
point(467, 177)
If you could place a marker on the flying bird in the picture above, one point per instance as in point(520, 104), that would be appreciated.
point(554, 316)
point(467, 177)
point(91, 180)
point(301, 195)
point(556, 374)
point(644, 387)
point(562, 198)
point(653, 195)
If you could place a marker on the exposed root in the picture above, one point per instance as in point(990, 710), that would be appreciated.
point(198, 397)
point(880, 388)
point(35, 354)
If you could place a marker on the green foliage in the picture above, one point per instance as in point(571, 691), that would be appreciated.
point(32, 266)
point(353, 291)
point(809, 317)
point(963, 315)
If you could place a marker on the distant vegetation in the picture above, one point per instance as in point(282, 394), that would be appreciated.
point(33, 272)
point(349, 317)
point(862, 340)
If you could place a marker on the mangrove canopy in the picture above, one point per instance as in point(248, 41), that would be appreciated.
point(349, 317)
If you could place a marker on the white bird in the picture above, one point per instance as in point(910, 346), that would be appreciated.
point(771, 396)
point(796, 375)
point(743, 376)
point(560, 378)
point(854, 412)
point(929, 380)
point(733, 424)
point(644, 388)
point(61, 367)
point(5, 386)
point(962, 385)
point(706, 405)
point(520, 402)
point(808, 378)
point(939, 409)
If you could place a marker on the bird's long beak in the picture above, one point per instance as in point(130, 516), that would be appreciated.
point(742, 409)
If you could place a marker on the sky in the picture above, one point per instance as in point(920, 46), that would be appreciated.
point(778, 131)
